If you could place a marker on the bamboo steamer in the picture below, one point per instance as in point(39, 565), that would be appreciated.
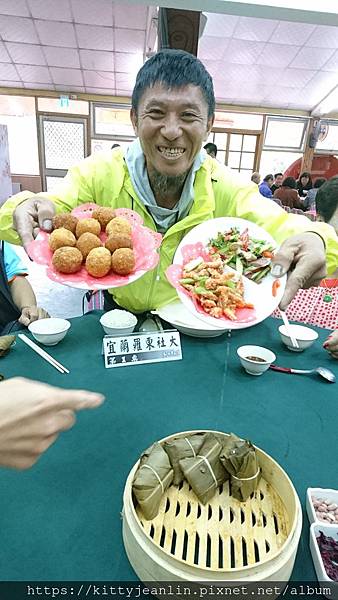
point(225, 540)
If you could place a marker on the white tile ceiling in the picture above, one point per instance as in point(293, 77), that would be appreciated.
point(262, 62)
point(72, 45)
point(98, 46)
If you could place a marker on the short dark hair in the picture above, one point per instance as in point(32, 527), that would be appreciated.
point(174, 69)
point(115, 146)
point(319, 182)
point(277, 174)
point(268, 177)
point(289, 182)
point(210, 147)
point(327, 199)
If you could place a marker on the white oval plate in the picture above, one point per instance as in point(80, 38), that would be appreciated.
point(259, 294)
point(185, 321)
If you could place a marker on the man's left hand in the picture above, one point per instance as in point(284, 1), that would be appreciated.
point(303, 257)
point(32, 313)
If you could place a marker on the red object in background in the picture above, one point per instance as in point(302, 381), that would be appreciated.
point(323, 165)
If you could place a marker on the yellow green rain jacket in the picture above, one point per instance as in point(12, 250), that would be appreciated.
point(219, 192)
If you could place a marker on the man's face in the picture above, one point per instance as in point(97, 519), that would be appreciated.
point(279, 180)
point(172, 125)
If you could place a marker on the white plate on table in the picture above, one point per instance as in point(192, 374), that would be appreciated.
point(195, 244)
point(183, 319)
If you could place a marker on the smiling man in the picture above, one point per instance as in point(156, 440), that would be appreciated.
point(168, 178)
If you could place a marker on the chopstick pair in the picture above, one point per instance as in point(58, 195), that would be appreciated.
point(288, 329)
point(52, 361)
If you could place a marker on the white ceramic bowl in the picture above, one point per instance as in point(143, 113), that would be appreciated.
point(49, 331)
point(323, 494)
point(118, 322)
point(328, 530)
point(254, 367)
point(305, 336)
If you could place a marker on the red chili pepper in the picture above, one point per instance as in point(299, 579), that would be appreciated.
point(275, 286)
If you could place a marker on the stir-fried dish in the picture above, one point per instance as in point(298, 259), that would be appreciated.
point(245, 254)
point(217, 290)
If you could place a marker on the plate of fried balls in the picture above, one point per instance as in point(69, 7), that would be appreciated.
point(96, 247)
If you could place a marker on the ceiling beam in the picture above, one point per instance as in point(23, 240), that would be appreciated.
point(280, 10)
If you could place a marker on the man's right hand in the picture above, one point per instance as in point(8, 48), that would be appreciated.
point(33, 414)
point(32, 215)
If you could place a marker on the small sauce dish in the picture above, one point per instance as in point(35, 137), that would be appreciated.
point(255, 359)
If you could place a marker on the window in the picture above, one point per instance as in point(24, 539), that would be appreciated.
point(274, 161)
point(227, 120)
point(105, 145)
point(286, 133)
point(237, 150)
point(111, 120)
point(18, 113)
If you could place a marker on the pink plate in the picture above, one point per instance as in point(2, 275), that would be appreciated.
point(145, 245)
point(174, 274)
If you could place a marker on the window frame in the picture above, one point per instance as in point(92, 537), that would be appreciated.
point(106, 136)
point(300, 147)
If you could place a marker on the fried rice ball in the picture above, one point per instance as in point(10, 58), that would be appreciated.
point(65, 220)
point(87, 226)
point(61, 237)
point(118, 240)
point(67, 260)
point(123, 261)
point(118, 225)
point(103, 214)
point(98, 262)
point(86, 242)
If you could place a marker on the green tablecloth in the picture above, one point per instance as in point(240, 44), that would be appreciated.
point(61, 519)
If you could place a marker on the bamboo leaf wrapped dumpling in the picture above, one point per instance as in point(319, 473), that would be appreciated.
point(183, 447)
point(6, 342)
point(240, 459)
point(205, 473)
point(152, 478)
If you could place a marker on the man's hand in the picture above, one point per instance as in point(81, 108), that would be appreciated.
point(32, 313)
point(303, 257)
point(32, 415)
point(32, 215)
point(331, 344)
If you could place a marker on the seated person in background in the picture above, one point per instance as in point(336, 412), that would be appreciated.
point(211, 149)
point(17, 300)
point(309, 201)
point(255, 177)
point(304, 183)
point(166, 178)
point(265, 186)
point(288, 194)
point(32, 415)
point(277, 182)
point(319, 305)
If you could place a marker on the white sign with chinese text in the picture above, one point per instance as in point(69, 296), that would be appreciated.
point(140, 348)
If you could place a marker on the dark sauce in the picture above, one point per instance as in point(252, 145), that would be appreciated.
point(256, 359)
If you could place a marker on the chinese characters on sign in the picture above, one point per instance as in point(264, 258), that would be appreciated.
point(141, 348)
